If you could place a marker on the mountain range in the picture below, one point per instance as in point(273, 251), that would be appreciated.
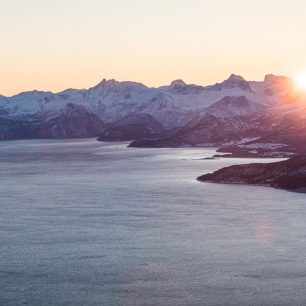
point(230, 113)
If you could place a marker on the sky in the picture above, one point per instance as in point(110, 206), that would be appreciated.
point(58, 44)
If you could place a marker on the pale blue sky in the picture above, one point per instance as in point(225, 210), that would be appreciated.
point(53, 45)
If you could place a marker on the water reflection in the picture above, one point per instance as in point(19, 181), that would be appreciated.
point(266, 232)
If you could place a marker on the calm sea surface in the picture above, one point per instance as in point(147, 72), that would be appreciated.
point(88, 223)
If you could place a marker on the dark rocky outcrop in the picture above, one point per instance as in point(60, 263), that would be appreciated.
point(262, 150)
point(289, 174)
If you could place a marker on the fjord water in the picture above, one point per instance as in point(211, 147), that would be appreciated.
point(89, 223)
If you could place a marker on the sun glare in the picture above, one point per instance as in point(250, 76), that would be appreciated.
point(301, 81)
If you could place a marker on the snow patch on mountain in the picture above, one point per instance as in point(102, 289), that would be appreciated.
point(172, 105)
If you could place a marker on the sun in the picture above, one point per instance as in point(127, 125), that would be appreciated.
point(300, 81)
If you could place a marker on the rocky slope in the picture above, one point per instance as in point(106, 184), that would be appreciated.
point(204, 131)
point(134, 126)
point(16, 129)
point(229, 107)
point(266, 132)
point(74, 121)
point(281, 133)
point(289, 174)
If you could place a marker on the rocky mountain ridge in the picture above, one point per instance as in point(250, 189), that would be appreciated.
point(178, 105)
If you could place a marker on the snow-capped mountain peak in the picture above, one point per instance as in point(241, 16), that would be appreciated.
point(114, 84)
point(172, 105)
point(234, 81)
point(236, 77)
point(272, 79)
point(177, 83)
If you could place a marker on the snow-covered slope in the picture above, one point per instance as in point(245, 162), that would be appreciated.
point(234, 106)
point(110, 100)
point(173, 105)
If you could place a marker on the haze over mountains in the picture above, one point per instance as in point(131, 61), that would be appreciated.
point(173, 115)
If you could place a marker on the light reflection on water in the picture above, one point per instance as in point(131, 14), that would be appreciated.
point(88, 223)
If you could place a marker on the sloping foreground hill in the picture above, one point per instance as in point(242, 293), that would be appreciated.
point(289, 174)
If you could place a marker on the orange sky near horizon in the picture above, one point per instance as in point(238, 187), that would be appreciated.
point(54, 45)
